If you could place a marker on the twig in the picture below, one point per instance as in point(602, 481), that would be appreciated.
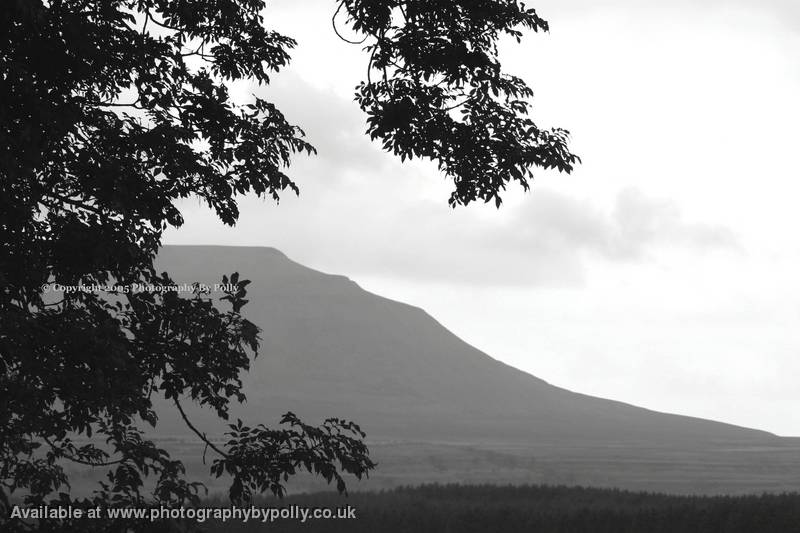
point(336, 30)
point(197, 431)
point(76, 204)
point(60, 451)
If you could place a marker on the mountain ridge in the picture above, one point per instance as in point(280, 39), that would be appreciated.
point(331, 348)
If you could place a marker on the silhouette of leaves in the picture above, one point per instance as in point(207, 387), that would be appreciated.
point(436, 90)
point(261, 459)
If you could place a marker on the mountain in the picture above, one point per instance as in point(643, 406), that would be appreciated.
point(331, 348)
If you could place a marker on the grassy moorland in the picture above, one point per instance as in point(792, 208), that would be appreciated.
point(537, 509)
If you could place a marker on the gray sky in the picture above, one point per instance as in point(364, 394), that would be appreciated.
point(663, 272)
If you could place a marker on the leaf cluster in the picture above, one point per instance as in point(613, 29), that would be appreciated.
point(261, 459)
point(436, 90)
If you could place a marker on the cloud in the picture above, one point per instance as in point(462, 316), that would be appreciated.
point(639, 222)
point(363, 212)
point(332, 124)
point(550, 239)
point(786, 11)
point(553, 224)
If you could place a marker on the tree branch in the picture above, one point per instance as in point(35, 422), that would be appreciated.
point(76, 203)
point(197, 431)
point(61, 453)
point(163, 25)
point(336, 30)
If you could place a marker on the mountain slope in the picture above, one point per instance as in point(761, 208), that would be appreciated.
point(333, 349)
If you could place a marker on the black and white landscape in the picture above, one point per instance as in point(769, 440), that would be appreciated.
point(661, 272)
point(468, 265)
point(436, 409)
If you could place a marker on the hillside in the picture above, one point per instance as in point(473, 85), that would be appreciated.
point(332, 349)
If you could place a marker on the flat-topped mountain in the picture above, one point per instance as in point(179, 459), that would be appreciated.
point(331, 348)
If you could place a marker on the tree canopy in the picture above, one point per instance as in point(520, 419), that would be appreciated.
point(113, 110)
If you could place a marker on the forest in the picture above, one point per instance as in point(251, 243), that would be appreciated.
point(540, 509)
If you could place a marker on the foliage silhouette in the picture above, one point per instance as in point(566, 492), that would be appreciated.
point(440, 93)
point(114, 109)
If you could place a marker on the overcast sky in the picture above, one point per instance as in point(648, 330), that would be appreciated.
point(663, 272)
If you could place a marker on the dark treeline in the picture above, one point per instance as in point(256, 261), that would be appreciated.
point(538, 509)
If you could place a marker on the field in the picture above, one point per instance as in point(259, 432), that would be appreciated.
point(713, 470)
point(537, 509)
point(505, 488)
